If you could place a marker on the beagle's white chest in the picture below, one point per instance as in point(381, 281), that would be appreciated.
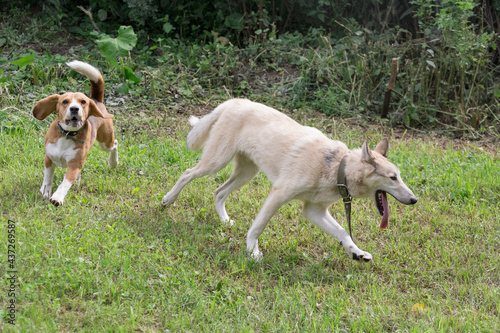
point(62, 151)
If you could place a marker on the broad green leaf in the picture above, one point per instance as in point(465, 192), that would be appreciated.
point(122, 88)
point(497, 91)
point(129, 74)
point(234, 21)
point(167, 27)
point(114, 48)
point(24, 60)
point(102, 14)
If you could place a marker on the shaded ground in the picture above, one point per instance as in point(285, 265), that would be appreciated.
point(60, 42)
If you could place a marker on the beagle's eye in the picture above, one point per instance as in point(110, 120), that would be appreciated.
point(65, 102)
point(83, 102)
point(394, 178)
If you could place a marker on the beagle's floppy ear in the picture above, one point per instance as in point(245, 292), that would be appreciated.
point(45, 106)
point(96, 112)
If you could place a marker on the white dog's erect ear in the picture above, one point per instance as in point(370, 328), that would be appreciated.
point(366, 154)
point(45, 106)
point(383, 147)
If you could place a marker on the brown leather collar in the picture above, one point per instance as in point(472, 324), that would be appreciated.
point(344, 192)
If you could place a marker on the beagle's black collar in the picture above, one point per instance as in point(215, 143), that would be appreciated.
point(71, 135)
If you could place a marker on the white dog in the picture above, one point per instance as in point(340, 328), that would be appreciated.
point(300, 162)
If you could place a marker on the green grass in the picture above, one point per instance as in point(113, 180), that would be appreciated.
point(110, 259)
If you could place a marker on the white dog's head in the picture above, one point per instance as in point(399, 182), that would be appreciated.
point(377, 177)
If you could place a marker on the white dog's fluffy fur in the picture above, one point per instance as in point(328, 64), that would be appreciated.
point(300, 161)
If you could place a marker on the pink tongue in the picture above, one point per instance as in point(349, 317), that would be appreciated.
point(385, 205)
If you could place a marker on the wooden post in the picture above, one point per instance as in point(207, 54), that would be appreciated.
point(392, 83)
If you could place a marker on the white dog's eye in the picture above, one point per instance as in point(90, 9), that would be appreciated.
point(394, 178)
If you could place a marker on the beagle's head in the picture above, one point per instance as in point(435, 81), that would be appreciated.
point(72, 109)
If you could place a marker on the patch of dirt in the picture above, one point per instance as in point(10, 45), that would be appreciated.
point(489, 144)
point(68, 47)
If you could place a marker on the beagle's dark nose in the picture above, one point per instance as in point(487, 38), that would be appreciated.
point(74, 109)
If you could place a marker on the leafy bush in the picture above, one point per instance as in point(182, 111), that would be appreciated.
point(321, 54)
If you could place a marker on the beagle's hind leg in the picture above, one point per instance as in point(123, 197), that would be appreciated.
point(113, 153)
point(105, 136)
point(48, 176)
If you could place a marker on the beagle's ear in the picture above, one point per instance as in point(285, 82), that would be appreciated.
point(96, 112)
point(45, 106)
point(383, 147)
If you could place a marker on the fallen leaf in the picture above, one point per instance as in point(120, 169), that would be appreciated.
point(418, 308)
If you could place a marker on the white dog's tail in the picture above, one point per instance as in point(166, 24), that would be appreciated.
point(200, 129)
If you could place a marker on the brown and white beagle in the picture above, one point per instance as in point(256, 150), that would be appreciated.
point(80, 122)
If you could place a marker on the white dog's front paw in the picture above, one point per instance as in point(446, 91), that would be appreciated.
point(168, 200)
point(228, 222)
point(354, 252)
point(361, 255)
point(256, 255)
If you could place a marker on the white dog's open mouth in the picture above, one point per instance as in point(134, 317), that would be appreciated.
point(382, 207)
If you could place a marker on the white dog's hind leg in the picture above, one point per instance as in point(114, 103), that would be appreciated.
point(187, 176)
point(203, 168)
point(277, 197)
point(216, 155)
point(320, 216)
point(244, 170)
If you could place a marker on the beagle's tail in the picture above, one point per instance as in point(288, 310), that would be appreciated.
point(95, 77)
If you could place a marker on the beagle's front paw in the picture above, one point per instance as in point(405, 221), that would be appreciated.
point(56, 200)
point(46, 191)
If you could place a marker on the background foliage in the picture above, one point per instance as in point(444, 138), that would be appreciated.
point(333, 56)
